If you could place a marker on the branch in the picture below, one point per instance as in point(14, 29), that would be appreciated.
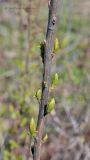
point(46, 77)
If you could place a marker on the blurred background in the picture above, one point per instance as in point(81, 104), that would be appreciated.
point(22, 27)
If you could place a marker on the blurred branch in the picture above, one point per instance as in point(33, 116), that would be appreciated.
point(29, 12)
point(70, 117)
point(57, 122)
point(8, 74)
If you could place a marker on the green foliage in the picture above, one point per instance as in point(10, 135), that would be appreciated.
point(6, 155)
point(77, 75)
point(14, 114)
point(55, 80)
point(38, 94)
point(51, 105)
point(45, 138)
point(32, 128)
point(13, 144)
point(56, 45)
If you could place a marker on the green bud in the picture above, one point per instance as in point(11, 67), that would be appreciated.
point(32, 128)
point(56, 45)
point(38, 94)
point(55, 79)
point(45, 138)
point(51, 105)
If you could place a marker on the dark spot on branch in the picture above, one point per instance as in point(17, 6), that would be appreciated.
point(54, 20)
point(45, 110)
point(32, 149)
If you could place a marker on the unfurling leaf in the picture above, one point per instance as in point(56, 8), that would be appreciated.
point(55, 79)
point(32, 128)
point(38, 94)
point(51, 105)
point(56, 45)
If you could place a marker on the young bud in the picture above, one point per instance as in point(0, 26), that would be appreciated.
point(45, 138)
point(55, 79)
point(56, 45)
point(32, 128)
point(51, 105)
point(38, 94)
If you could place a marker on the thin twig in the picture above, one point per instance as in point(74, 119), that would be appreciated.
point(46, 77)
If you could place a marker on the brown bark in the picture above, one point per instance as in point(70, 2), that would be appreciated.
point(46, 77)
